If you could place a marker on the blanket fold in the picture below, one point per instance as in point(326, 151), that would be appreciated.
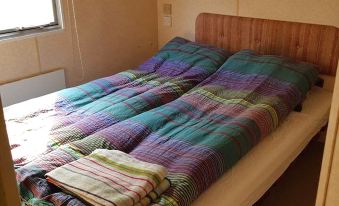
point(111, 177)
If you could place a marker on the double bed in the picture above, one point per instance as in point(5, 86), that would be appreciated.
point(145, 112)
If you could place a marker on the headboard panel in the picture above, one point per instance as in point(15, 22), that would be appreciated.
point(317, 44)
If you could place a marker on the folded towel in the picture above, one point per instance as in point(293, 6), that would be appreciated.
point(111, 177)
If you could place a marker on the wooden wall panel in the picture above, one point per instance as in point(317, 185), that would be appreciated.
point(108, 44)
point(329, 178)
point(9, 195)
point(317, 44)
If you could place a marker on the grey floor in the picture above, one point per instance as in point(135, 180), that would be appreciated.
point(298, 185)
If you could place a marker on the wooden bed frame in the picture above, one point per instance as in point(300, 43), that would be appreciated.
point(317, 44)
point(312, 43)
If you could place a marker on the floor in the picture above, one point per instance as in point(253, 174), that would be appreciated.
point(298, 185)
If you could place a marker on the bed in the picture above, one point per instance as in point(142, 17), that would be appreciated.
point(154, 121)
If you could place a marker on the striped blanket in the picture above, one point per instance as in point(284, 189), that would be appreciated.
point(43, 124)
point(198, 136)
point(111, 177)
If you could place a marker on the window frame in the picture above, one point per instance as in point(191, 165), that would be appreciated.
point(56, 25)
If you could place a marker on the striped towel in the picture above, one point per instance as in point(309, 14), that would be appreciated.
point(111, 177)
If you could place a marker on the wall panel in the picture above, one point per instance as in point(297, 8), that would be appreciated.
point(114, 35)
point(305, 11)
point(18, 59)
point(184, 14)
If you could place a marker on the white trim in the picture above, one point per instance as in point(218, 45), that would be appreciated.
point(33, 87)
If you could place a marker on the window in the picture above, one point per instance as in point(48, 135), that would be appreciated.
point(20, 17)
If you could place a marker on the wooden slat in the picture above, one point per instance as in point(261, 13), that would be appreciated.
point(328, 184)
point(317, 44)
point(9, 195)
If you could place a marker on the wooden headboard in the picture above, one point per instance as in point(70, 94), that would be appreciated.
point(317, 44)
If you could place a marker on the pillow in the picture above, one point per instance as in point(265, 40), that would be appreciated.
point(181, 55)
point(299, 74)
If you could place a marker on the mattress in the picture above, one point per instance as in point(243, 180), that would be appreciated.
point(255, 173)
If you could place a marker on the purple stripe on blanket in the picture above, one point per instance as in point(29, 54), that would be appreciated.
point(181, 158)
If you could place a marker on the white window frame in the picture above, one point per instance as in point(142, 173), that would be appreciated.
point(19, 32)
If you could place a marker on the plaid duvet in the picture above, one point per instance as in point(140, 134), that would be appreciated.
point(43, 124)
point(197, 136)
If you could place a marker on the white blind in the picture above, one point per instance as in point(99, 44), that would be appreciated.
point(26, 13)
